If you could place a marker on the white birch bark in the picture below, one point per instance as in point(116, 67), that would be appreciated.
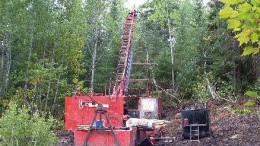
point(94, 56)
point(171, 40)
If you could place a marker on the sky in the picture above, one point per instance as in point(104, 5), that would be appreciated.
point(130, 3)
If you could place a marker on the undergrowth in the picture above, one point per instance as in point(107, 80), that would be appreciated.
point(19, 128)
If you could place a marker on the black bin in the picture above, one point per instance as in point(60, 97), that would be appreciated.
point(197, 116)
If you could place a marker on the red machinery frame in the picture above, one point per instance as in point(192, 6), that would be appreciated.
point(81, 111)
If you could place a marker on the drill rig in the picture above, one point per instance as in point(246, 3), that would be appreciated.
point(100, 120)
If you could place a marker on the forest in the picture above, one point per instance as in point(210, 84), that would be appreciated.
point(50, 48)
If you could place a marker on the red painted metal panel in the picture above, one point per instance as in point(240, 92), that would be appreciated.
point(73, 114)
point(76, 115)
point(105, 138)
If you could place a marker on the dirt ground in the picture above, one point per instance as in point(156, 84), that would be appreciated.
point(66, 138)
point(229, 128)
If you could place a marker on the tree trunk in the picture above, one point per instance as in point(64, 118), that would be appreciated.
point(29, 59)
point(93, 62)
point(2, 68)
point(209, 85)
point(52, 61)
point(256, 63)
point(171, 40)
point(9, 62)
point(6, 61)
point(55, 96)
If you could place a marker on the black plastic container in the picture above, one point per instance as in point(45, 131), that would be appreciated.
point(197, 116)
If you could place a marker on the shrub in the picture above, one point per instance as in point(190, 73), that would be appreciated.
point(200, 90)
point(17, 127)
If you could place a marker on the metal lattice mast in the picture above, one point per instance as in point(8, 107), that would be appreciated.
point(125, 60)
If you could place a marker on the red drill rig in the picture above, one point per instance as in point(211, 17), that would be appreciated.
point(100, 120)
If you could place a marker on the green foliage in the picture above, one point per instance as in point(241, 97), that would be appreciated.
point(254, 92)
point(17, 127)
point(163, 71)
point(203, 46)
point(200, 89)
point(251, 93)
point(250, 103)
point(243, 18)
point(226, 90)
point(229, 71)
point(247, 107)
point(189, 46)
point(44, 50)
point(169, 102)
point(79, 86)
point(255, 89)
point(104, 34)
point(244, 110)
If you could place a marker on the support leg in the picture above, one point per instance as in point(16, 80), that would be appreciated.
point(111, 128)
point(90, 129)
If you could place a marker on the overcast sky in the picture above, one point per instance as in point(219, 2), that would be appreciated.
point(130, 3)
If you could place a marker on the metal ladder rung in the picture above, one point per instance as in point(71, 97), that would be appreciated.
point(195, 133)
point(121, 65)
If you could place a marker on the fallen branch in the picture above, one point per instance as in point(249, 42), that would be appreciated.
point(166, 91)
